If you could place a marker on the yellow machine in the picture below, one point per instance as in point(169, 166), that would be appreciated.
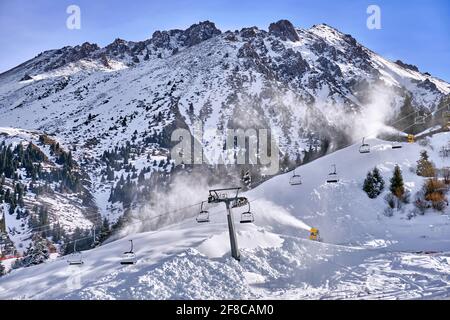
point(410, 138)
point(314, 234)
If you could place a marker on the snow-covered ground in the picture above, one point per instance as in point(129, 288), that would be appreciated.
point(364, 255)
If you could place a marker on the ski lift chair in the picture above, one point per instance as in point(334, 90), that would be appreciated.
point(332, 176)
point(247, 217)
point(397, 144)
point(76, 258)
point(295, 179)
point(419, 119)
point(203, 215)
point(129, 257)
point(364, 148)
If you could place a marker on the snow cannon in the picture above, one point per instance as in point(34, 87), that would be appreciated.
point(314, 234)
point(410, 138)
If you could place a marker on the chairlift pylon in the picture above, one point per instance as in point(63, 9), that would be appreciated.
point(295, 180)
point(76, 258)
point(333, 176)
point(247, 216)
point(129, 257)
point(203, 215)
point(364, 148)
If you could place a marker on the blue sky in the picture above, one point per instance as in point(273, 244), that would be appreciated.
point(415, 31)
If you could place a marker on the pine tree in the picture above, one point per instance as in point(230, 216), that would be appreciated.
point(246, 178)
point(373, 184)
point(37, 252)
point(57, 233)
point(397, 186)
point(43, 216)
point(378, 179)
point(2, 223)
point(368, 185)
point(425, 167)
point(104, 230)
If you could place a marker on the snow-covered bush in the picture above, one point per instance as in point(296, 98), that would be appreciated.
point(420, 204)
point(434, 192)
point(395, 202)
point(411, 214)
point(425, 142)
point(391, 200)
point(445, 172)
point(388, 212)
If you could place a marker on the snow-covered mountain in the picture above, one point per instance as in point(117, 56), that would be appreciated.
point(290, 80)
point(103, 117)
point(364, 254)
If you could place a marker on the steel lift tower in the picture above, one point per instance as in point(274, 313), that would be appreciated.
point(231, 199)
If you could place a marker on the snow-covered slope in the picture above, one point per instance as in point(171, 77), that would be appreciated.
point(364, 254)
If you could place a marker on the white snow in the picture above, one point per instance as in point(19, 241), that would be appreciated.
point(365, 255)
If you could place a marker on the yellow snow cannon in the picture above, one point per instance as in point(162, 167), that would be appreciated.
point(314, 234)
point(410, 138)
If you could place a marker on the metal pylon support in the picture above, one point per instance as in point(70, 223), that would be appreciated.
point(220, 195)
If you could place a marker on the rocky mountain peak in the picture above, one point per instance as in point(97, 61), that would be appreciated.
point(200, 32)
point(90, 47)
point(407, 66)
point(285, 30)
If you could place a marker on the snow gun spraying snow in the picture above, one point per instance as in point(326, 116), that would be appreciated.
point(314, 234)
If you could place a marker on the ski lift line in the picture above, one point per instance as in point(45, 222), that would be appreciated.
point(373, 132)
point(48, 227)
point(146, 219)
point(154, 217)
point(94, 215)
point(408, 115)
point(391, 124)
point(224, 210)
point(140, 221)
